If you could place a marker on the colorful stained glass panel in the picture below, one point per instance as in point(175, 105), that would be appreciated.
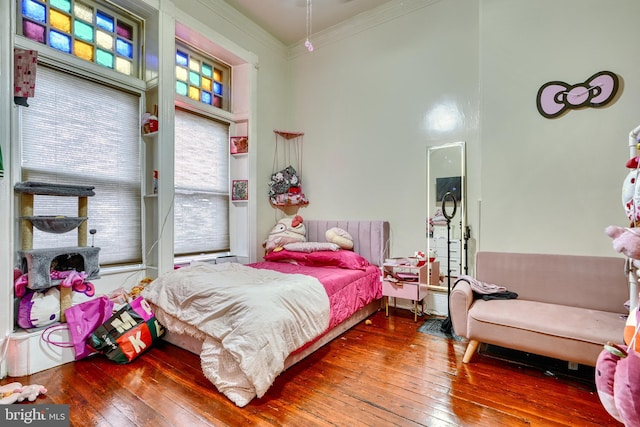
point(194, 93)
point(83, 12)
point(83, 50)
point(206, 97)
point(104, 40)
point(124, 48)
point(217, 75)
point(206, 84)
point(64, 5)
point(194, 65)
point(104, 58)
point(34, 10)
point(217, 101)
point(182, 88)
point(182, 58)
point(34, 31)
point(194, 78)
point(124, 30)
point(123, 66)
point(182, 73)
point(207, 70)
point(60, 41)
point(60, 21)
point(82, 31)
point(105, 22)
point(217, 88)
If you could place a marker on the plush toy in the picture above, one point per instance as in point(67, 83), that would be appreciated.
point(287, 230)
point(625, 240)
point(618, 384)
point(631, 192)
point(9, 393)
point(340, 237)
point(31, 392)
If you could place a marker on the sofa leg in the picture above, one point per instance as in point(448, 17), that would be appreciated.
point(471, 349)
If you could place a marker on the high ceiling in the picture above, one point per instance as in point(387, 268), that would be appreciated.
point(286, 20)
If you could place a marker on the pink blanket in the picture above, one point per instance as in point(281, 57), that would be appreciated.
point(348, 290)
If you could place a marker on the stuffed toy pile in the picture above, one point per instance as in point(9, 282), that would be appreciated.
point(16, 392)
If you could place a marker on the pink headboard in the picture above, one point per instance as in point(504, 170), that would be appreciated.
point(370, 238)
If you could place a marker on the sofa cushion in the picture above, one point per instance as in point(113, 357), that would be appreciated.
point(592, 326)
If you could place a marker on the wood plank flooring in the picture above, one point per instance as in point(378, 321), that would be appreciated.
point(383, 374)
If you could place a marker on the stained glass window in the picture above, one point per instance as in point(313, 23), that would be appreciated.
point(88, 29)
point(202, 78)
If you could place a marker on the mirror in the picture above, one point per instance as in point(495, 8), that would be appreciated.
point(447, 231)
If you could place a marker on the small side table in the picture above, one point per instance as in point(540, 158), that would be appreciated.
point(405, 281)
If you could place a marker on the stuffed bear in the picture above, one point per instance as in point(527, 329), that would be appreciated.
point(287, 230)
point(625, 240)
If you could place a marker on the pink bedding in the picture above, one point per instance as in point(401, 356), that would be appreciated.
point(348, 290)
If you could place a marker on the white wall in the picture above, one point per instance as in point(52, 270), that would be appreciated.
point(534, 184)
point(371, 103)
point(554, 185)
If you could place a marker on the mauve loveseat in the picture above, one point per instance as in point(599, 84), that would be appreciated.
point(568, 306)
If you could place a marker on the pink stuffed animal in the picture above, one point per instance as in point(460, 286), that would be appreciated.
point(625, 240)
point(618, 383)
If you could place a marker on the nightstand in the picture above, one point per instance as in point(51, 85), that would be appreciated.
point(408, 282)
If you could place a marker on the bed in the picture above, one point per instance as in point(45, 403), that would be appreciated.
point(250, 322)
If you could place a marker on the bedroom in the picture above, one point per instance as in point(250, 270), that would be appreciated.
point(535, 185)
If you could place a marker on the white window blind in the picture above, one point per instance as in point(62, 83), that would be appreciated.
point(77, 131)
point(201, 211)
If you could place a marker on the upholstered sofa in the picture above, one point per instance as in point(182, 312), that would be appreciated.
point(568, 306)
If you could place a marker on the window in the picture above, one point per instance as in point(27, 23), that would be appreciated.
point(201, 209)
point(88, 30)
point(69, 137)
point(202, 79)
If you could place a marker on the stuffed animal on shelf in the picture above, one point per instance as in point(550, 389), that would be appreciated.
point(286, 230)
point(625, 240)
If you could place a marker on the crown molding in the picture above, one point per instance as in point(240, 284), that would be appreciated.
point(362, 22)
point(243, 24)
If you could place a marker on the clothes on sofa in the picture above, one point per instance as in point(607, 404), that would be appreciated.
point(487, 291)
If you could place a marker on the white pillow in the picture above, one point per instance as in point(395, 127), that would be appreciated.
point(340, 237)
point(311, 246)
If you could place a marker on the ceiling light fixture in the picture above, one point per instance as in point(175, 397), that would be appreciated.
point(307, 43)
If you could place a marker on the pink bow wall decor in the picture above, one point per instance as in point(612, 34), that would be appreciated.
point(556, 97)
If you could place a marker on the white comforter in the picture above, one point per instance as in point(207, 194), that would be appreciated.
point(250, 320)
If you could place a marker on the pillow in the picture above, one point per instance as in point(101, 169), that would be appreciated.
point(340, 237)
point(340, 258)
point(311, 246)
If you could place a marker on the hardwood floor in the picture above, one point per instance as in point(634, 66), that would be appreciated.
point(383, 374)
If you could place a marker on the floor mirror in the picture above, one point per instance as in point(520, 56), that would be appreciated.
point(447, 231)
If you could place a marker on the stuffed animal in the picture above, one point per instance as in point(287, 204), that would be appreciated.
point(618, 385)
point(631, 192)
point(9, 393)
point(287, 230)
point(625, 240)
point(31, 392)
point(340, 237)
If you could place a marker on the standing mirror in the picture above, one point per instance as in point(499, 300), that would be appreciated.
point(447, 231)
